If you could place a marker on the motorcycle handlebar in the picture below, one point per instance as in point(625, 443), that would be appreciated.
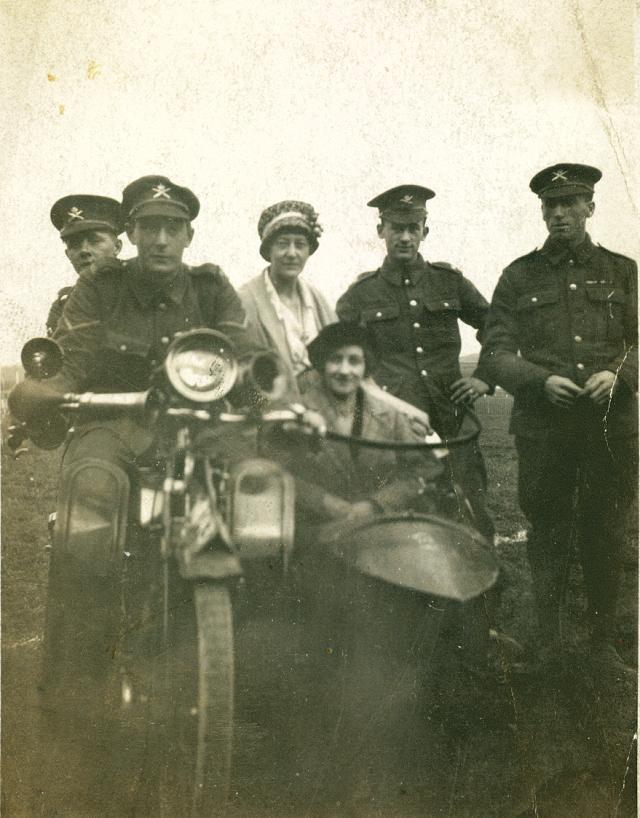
point(150, 401)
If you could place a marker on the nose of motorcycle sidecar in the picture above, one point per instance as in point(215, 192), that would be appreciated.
point(424, 553)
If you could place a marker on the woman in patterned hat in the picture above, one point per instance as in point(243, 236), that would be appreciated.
point(285, 312)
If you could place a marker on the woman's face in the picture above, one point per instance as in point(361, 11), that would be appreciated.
point(344, 370)
point(288, 255)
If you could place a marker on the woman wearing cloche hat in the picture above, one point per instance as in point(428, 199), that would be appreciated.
point(285, 312)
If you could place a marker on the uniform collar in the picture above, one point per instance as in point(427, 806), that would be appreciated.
point(150, 296)
point(395, 272)
point(582, 253)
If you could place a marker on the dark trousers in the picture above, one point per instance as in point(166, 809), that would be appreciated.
point(468, 470)
point(85, 571)
point(577, 489)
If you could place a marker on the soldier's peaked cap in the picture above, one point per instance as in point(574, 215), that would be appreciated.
point(80, 213)
point(566, 179)
point(405, 203)
point(158, 196)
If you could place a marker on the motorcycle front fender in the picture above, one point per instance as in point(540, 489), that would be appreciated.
point(219, 565)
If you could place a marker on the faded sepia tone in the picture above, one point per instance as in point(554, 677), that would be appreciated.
point(330, 103)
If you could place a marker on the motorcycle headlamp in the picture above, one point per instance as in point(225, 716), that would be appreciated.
point(201, 365)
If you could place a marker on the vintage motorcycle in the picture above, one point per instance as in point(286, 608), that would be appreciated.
point(181, 537)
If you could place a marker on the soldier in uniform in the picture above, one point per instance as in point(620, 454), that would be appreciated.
point(562, 338)
point(115, 329)
point(412, 307)
point(89, 227)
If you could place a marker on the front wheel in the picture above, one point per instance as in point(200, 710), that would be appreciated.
point(194, 704)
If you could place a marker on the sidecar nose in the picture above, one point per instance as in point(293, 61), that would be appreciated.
point(424, 553)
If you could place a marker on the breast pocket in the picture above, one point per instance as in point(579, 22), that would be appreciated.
point(442, 318)
point(539, 314)
point(123, 360)
point(390, 329)
point(606, 309)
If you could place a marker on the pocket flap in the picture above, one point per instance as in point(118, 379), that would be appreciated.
point(539, 299)
point(598, 292)
point(124, 343)
point(381, 313)
point(443, 304)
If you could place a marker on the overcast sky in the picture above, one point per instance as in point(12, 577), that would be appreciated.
point(331, 102)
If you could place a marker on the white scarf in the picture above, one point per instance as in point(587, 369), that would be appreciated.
point(299, 330)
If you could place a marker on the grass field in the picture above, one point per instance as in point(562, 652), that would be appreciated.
point(533, 749)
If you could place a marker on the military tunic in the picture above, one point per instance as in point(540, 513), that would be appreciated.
point(572, 313)
point(569, 313)
point(413, 311)
point(116, 329)
point(56, 309)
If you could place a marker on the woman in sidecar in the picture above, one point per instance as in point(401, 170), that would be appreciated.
point(340, 485)
point(374, 568)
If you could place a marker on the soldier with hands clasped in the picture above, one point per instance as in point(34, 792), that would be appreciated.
point(562, 338)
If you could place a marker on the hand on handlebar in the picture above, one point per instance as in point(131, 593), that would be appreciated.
point(308, 423)
point(561, 391)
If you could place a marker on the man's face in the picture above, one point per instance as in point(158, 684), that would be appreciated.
point(84, 249)
point(566, 218)
point(288, 255)
point(161, 241)
point(402, 240)
point(344, 370)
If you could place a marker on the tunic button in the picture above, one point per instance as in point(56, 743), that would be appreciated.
point(416, 325)
point(384, 387)
point(153, 362)
point(573, 287)
point(407, 281)
point(378, 314)
point(580, 366)
point(164, 339)
point(534, 299)
point(419, 349)
point(571, 261)
point(577, 338)
point(445, 303)
point(413, 302)
point(423, 372)
point(162, 306)
point(123, 347)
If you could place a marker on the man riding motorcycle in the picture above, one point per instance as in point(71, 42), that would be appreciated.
point(114, 333)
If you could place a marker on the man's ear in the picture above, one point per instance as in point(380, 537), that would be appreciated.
point(190, 232)
point(118, 246)
point(130, 230)
point(425, 230)
point(592, 207)
point(66, 252)
point(379, 229)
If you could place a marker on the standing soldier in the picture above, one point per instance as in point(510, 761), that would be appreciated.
point(562, 338)
point(413, 306)
point(89, 227)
